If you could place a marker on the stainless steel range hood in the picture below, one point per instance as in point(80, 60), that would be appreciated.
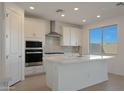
point(52, 30)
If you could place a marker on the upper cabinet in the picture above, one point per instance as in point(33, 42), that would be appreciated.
point(66, 36)
point(74, 36)
point(71, 36)
point(34, 28)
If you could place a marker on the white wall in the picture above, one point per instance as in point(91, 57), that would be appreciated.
point(116, 65)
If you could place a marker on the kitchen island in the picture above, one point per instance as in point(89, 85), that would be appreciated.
point(65, 73)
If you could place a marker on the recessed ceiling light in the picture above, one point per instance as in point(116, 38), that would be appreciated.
point(76, 9)
point(84, 20)
point(98, 16)
point(62, 15)
point(31, 7)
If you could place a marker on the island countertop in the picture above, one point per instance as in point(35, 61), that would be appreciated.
point(75, 59)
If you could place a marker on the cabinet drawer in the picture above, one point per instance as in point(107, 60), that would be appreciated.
point(34, 70)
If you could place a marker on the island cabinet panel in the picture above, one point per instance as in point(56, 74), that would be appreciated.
point(97, 71)
point(73, 77)
point(70, 75)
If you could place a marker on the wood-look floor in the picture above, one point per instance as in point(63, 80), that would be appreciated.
point(38, 83)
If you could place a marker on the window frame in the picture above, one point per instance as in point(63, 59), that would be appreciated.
point(102, 27)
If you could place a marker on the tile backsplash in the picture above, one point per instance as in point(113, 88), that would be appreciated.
point(53, 45)
point(70, 49)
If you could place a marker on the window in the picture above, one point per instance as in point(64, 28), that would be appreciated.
point(103, 40)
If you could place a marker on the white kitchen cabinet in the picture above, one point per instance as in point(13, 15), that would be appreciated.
point(29, 30)
point(34, 29)
point(98, 72)
point(66, 36)
point(33, 70)
point(74, 36)
point(74, 73)
point(71, 36)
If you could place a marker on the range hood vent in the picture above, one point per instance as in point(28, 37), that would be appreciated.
point(52, 30)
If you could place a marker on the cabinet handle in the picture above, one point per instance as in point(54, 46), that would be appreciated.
point(34, 34)
point(76, 43)
point(20, 56)
point(7, 57)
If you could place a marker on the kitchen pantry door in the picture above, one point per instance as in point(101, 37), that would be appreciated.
point(13, 46)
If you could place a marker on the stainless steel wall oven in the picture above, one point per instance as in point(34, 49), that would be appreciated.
point(33, 53)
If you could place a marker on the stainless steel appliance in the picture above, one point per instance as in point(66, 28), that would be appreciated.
point(53, 28)
point(33, 53)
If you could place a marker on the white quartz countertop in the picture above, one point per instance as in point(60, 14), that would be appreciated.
point(75, 59)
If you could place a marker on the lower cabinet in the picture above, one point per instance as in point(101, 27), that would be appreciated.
point(76, 75)
point(33, 70)
point(97, 71)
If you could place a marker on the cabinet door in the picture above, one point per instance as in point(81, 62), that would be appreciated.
point(74, 36)
point(12, 46)
point(37, 26)
point(33, 28)
point(66, 36)
point(29, 29)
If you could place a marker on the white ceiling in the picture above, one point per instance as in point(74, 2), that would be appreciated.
point(87, 11)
